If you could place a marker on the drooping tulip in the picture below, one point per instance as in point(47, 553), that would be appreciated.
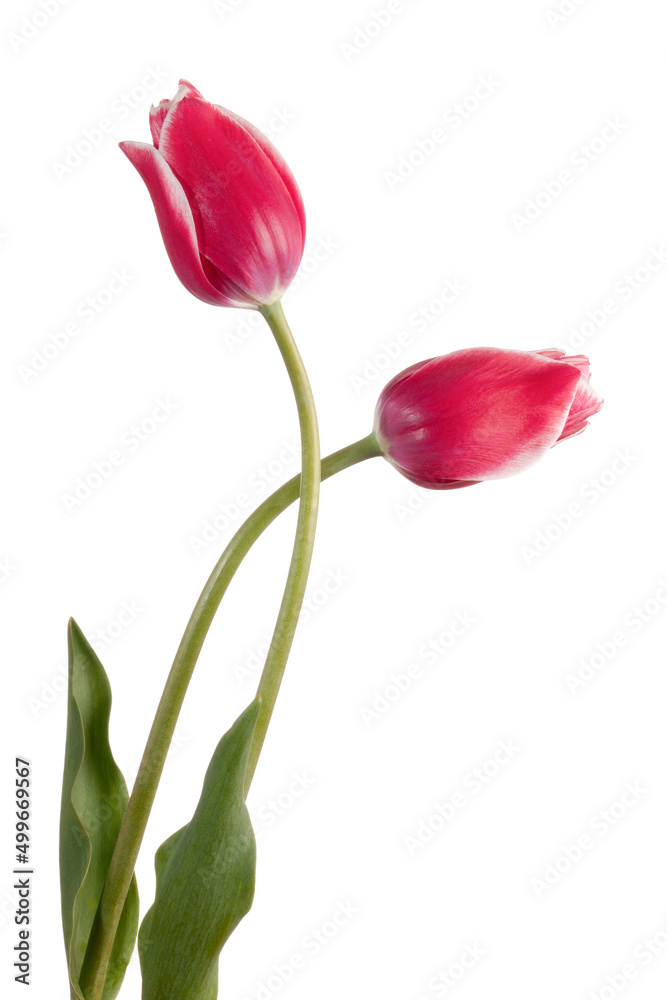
point(481, 413)
point(229, 210)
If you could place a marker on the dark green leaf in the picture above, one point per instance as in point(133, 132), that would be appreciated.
point(205, 880)
point(94, 800)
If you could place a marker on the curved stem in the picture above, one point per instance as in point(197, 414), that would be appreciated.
point(297, 578)
point(134, 822)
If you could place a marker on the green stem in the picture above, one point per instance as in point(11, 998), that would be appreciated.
point(134, 822)
point(297, 577)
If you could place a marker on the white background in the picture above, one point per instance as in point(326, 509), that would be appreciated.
point(345, 100)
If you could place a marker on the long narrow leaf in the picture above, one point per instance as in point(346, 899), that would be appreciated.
point(94, 799)
point(205, 880)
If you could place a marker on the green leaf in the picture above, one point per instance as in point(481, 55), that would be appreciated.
point(94, 800)
point(205, 875)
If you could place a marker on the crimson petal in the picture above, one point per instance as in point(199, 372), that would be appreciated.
point(175, 220)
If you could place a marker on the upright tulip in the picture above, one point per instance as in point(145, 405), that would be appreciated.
point(228, 207)
point(481, 413)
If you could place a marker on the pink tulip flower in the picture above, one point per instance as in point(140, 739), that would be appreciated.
point(230, 212)
point(481, 413)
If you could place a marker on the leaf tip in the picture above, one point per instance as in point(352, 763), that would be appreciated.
point(73, 630)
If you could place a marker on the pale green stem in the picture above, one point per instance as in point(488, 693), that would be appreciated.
point(297, 578)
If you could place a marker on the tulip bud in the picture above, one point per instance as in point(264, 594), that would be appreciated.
point(228, 207)
point(481, 413)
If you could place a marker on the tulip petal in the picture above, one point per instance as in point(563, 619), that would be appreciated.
point(187, 89)
point(279, 163)
point(586, 402)
point(176, 223)
point(159, 113)
point(249, 231)
point(435, 484)
point(156, 117)
point(581, 363)
point(551, 352)
point(476, 414)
